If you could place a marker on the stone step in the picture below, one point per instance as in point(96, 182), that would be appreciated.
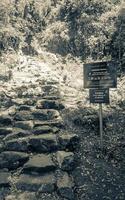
point(26, 125)
point(49, 88)
point(38, 114)
point(25, 107)
point(48, 97)
point(20, 144)
point(43, 143)
point(49, 104)
point(36, 183)
point(40, 143)
point(23, 116)
point(12, 160)
point(5, 131)
point(24, 101)
point(57, 123)
point(44, 129)
point(40, 163)
point(5, 120)
point(19, 133)
point(4, 179)
point(50, 91)
point(46, 114)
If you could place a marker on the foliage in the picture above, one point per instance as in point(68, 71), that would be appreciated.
point(87, 29)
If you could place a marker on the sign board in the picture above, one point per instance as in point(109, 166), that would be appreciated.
point(99, 96)
point(100, 75)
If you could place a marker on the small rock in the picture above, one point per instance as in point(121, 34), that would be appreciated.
point(66, 160)
point(69, 141)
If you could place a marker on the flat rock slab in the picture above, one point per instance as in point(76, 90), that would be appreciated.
point(4, 179)
point(12, 160)
point(43, 143)
point(49, 104)
point(17, 134)
point(35, 183)
point(40, 163)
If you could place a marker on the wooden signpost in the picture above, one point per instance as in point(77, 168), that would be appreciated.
point(100, 75)
point(99, 96)
point(98, 78)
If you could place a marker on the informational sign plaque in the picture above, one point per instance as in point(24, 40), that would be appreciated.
point(99, 96)
point(100, 75)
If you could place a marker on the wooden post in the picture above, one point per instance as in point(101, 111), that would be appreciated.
point(101, 125)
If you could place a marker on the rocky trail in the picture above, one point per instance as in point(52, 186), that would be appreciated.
point(49, 137)
point(36, 151)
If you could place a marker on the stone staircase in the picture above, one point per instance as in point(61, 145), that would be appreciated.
point(36, 152)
